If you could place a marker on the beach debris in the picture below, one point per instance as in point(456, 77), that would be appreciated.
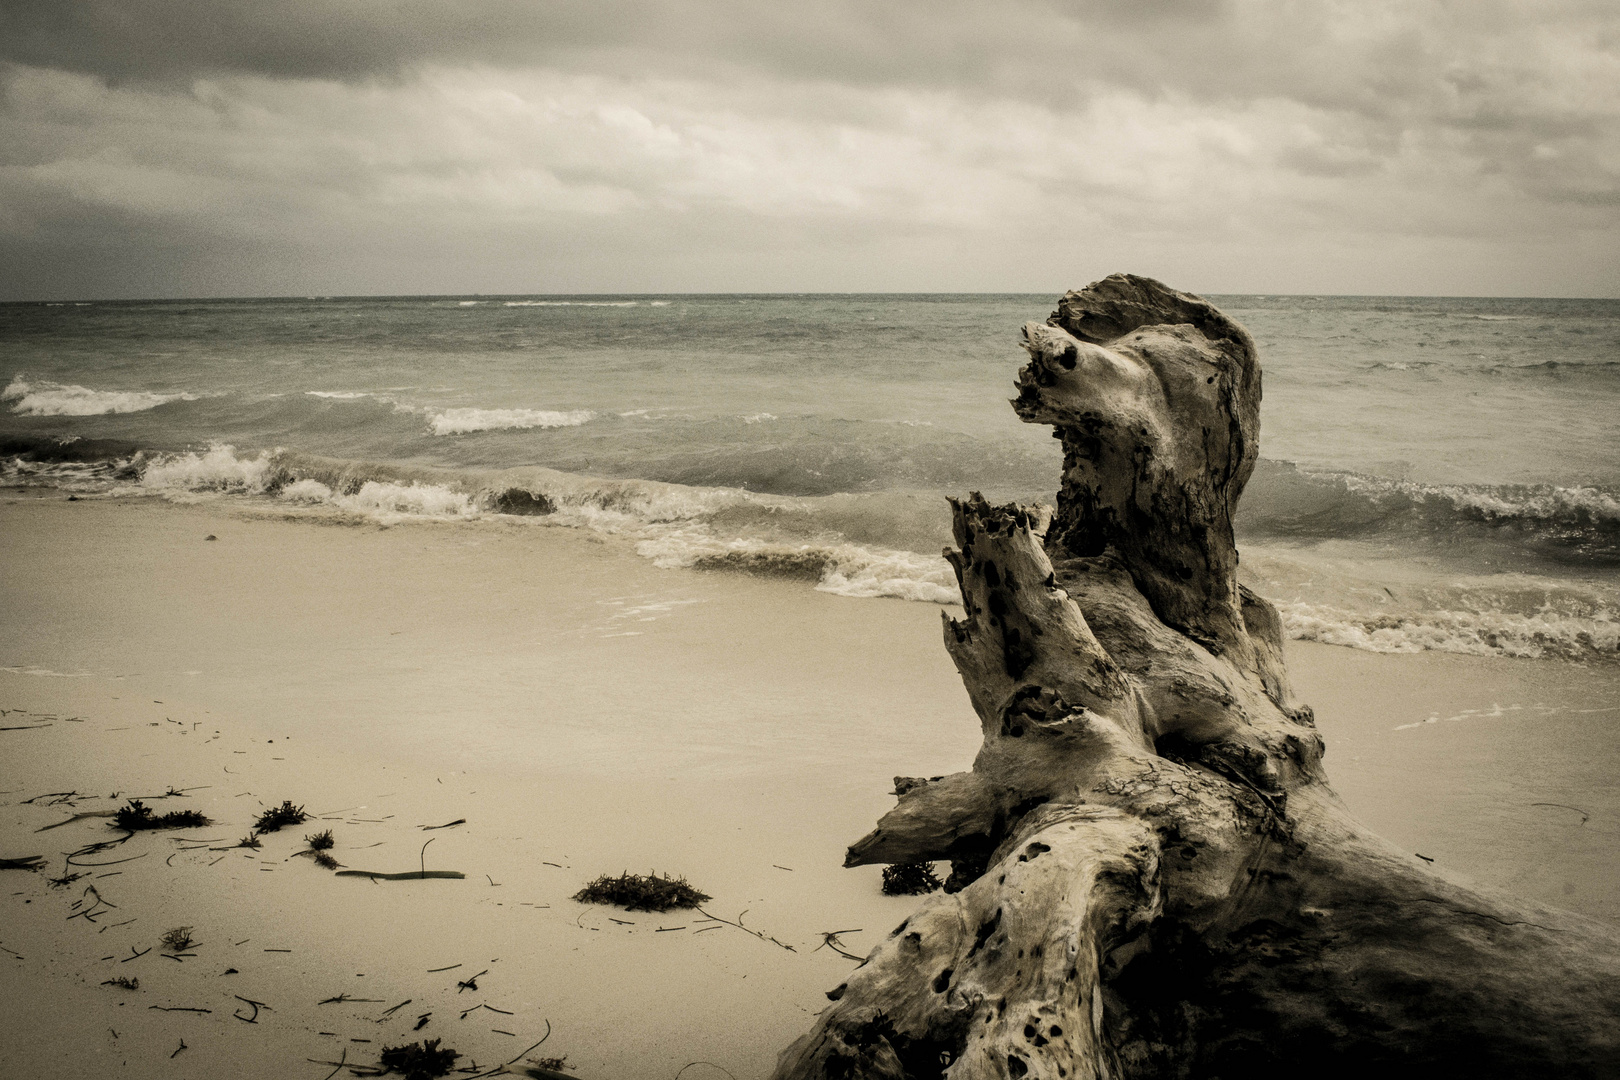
point(393, 1009)
point(89, 914)
point(63, 881)
point(424, 872)
point(910, 879)
point(55, 798)
point(550, 1068)
point(177, 1049)
point(829, 940)
point(446, 825)
point(256, 1005)
point(78, 817)
point(177, 940)
point(471, 983)
point(26, 862)
point(123, 983)
point(325, 860)
point(136, 816)
point(321, 841)
point(418, 1061)
point(711, 1064)
point(409, 875)
point(638, 892)
point(745, 929)
point(251, 840)
point(1585, 817)
point(422, 1021)
point(276, 817)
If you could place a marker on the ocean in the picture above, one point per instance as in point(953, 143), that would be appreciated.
point(1436, 473)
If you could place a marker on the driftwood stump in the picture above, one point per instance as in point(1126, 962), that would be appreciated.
point(1151, 876)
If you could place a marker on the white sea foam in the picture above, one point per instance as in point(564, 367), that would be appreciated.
point(1531, 503)
point(571, 303)
point(305, 492)
point(42, 398)
point(759, 417)
point(1477, 633)
point(462, 421)
point(881, 572)
point(390, 502)
point(46, 673)
point(338, 395)
point(217, 470)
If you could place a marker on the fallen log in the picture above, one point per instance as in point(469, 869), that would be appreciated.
point(1151, 875)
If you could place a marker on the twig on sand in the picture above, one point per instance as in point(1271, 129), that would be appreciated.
point(481, 1005)
point(711, 1065)
point(501, 1067)
point(178, 1008)
point(177, 1049)
point(257, 1005)
point(829, 940)
point(26, 862)
point(78, 817)
point(406, 876)
point(471, 983)
point(739, 925)
point(56, 796)
point(393, 1009)
point(446, 825)
point(1585, 817)
point(337, 1066)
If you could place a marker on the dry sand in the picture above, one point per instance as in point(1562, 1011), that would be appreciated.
point(585, 713)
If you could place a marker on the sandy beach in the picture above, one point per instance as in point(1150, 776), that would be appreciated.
point(580, 712)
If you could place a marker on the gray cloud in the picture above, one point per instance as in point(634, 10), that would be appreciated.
point(834, 144)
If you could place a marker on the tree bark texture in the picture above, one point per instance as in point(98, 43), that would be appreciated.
point(1151, 876)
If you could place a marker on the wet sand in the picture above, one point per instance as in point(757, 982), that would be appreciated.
point(586, 713)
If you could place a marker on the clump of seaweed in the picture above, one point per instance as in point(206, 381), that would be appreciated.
point(325, 859)
point(251, 840)
point(124, 983)
point(177, 940)
point(278, 816)
point(418, 1061)
point(637, 892)
point(910, 879)
point(137, 817)
point(321, 841)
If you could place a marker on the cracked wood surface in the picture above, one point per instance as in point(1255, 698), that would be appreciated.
point(1152, 876)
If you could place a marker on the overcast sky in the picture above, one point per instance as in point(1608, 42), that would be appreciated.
point(275, 147)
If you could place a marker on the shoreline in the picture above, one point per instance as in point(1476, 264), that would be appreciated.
point(577, 706)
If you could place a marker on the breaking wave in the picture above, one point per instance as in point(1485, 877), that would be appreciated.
point(462, 421)
point(42, 398)
point(578, 303)
point(1576, 524)
point(1478, 633)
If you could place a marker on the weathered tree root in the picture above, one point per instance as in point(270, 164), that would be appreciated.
point(1151, 874)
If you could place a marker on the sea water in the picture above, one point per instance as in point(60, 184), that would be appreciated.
point(1436, 473)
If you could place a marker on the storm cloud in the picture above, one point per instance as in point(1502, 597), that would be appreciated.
point(190, 148)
